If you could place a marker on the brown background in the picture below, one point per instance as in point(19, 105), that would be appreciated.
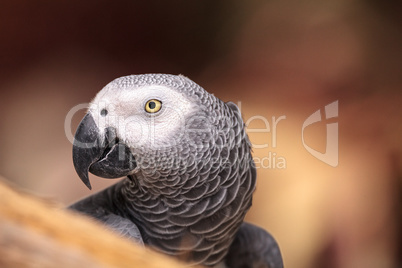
point(275, 57)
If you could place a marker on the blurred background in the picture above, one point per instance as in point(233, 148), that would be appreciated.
point(275, 58)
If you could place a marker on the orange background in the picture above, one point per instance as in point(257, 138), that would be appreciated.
point(278, 58)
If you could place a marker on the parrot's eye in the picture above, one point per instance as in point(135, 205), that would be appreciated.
point(153, 106)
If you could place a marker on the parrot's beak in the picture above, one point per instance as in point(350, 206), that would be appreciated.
point(103, 156)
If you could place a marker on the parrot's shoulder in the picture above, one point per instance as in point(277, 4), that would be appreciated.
point(102, 207)
point(233, 107)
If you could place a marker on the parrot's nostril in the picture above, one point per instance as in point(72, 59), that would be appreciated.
point(103, 112)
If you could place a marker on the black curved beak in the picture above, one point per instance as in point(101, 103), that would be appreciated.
point(102, 156)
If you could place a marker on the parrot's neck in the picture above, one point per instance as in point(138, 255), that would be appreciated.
point(204, 211)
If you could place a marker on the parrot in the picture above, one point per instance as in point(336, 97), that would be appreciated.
point(187, 168)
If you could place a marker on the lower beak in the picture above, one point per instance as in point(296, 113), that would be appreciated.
point(102, 155)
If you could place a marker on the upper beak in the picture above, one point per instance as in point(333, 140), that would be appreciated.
point(103, 155)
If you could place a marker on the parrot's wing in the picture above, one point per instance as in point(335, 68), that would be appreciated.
point(253, 247)
point(100, 207)
point(123, 227)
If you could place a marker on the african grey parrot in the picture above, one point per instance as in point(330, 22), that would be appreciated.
point(189, 173)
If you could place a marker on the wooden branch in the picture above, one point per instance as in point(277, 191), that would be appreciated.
point(36, 233)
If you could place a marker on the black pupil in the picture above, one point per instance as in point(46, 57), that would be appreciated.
point(152, 105)
point(103, 112)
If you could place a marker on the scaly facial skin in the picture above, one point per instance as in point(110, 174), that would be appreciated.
point(187, 157)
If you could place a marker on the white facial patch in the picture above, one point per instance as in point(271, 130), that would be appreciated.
point(124, 109)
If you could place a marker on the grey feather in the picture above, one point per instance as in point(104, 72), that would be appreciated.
point(253, 247)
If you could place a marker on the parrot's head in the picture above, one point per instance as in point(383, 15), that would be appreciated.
point(151, 126)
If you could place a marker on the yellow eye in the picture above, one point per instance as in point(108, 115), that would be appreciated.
point(153, 106)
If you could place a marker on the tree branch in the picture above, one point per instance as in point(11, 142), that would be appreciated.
point(36, 233)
